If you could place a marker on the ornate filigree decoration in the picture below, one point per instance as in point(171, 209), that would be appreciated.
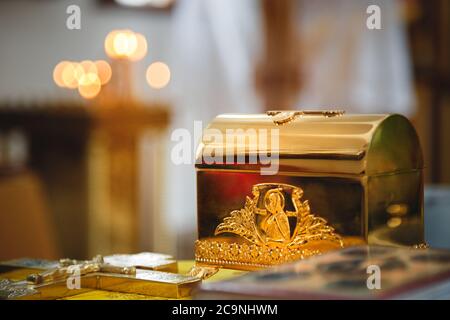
point(14, 289)
point(421, 246)
point(272, 233)
point(284, 117)
point(274, 230)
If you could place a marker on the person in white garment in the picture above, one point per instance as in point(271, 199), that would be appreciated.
point(216, 46)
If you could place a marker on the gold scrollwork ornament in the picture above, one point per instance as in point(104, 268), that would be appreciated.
point(270, 236)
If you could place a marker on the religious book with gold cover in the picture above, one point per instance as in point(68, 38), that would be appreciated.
point(285, 185)
point(359, 272)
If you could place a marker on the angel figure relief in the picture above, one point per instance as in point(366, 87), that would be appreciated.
point(266, 222)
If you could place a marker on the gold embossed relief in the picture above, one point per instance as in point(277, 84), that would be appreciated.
point(264, 232)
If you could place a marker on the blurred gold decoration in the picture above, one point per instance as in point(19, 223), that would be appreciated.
point(123, 47)
point(95, 174)
point(88, 77)
point(278, 72)
point(429, 34)
point(91, 159)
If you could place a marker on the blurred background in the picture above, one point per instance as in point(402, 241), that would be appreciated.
point(90, 92)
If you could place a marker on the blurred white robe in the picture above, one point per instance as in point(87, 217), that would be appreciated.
point(216, 45)
point(348, 66)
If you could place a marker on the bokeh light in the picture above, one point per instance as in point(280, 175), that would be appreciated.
point(87, 76)
point(125, 44)
point(158, 75)
point(104, 71)
point(70, 75)
point(141, 49)
point(88, 66)
point(89, 85)
point(109, 43)
point(57, 73)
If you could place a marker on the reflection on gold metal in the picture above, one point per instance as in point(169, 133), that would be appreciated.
point(422, 245)
point(264, 224)
point(203, 272)
point(394, 222)
point(284, 117)
point(399, 209)
point(135, 273)
point(66, 270)
point(144, 282)
point(118, 263)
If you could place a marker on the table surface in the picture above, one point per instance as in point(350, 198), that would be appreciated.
point(183, 268)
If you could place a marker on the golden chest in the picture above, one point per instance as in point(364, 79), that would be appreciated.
point(282, 186)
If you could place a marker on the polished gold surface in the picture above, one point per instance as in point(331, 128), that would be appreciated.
point(352, 144)
point(144, 260)
point(362, 175)
point(144, 282)
point(185, 266)
point(134, 273)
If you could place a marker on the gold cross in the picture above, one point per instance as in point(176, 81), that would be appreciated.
point(138, 274)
